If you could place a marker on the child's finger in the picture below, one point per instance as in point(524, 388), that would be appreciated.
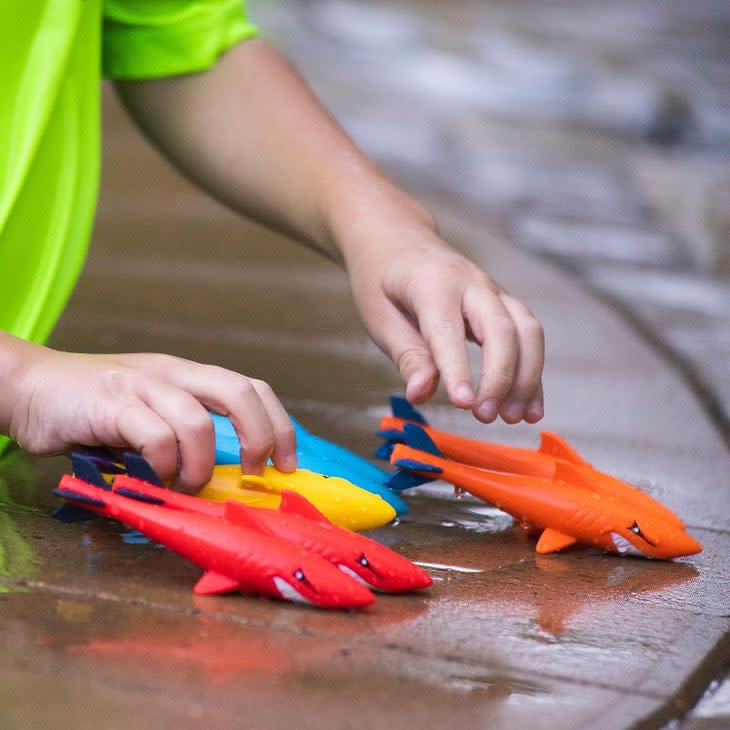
point(284, 454)
point(394, 333)
point(441, 323)
point(496, 333)
point(528, 372)
point(262, 429)
point(193, 430)
point(140, 428)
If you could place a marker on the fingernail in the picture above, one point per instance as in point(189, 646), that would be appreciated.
point(513, 411)
point(536, 410)
point(465, 394)
point(288, 463)
point(487, 411)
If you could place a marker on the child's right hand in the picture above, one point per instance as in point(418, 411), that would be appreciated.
point(154, 404)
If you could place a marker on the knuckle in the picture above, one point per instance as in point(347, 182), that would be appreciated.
point(500, 380)
point(200, 426)
point(117, 381)
point(410, 358)
point(243, 387)
point(506, 327)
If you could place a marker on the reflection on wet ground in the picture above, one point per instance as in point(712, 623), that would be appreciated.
point(107, 631)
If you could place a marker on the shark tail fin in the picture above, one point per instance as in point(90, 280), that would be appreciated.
point(139, 468)
point(87, 469)
point(415, 437)
point(384, 450)
point(404, 478)
point(401, 408)
point(75, 512)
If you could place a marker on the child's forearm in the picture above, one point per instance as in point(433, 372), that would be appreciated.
point(250, 132)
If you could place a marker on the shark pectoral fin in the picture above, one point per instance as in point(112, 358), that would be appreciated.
point(294, 503)
point(212, 583)
point(552, 541)
point(242, 516)
point(554, 445)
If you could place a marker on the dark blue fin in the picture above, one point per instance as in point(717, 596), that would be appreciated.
point(400, 480)
point(72, 513)
point(412, 464)
point(417, 438)
point(401, 408)
point(391, 434)
point(137, 466)
point(139, 496)
point(105, 459)
point(86, 469)
point(384, 451)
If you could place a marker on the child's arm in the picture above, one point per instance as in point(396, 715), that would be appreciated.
point(250, 131)
point(156, 404)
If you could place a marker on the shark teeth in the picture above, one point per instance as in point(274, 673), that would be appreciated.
point(624, 547)
point(349, 571)
point(287, 591)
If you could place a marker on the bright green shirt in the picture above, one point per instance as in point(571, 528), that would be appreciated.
point(54, 53)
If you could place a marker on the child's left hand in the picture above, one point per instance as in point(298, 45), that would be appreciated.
point(422, 301)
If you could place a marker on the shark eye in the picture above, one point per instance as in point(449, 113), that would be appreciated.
point(363, 561)
point(299, 575)
point(637, 531)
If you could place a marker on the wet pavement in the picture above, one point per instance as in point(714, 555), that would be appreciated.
point(536, 137)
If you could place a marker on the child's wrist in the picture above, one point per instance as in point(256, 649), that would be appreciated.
point(373, 215)
point(16, 359)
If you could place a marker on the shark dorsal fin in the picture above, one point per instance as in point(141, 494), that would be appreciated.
point(557, 446)
point(572, 474)
point(240, 515)
point(552, 541)
point(401, 408)
point(212, 583)
point(293, 503)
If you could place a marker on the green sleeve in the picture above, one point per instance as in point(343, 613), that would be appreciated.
point(145, 39)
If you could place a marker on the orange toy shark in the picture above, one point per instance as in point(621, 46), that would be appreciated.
point(566, 511)
point(540, 463)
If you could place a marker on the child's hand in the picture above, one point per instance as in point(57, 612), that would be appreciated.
point(155, 404)
point(421, 301)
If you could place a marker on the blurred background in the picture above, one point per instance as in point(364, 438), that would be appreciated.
point(597, 134)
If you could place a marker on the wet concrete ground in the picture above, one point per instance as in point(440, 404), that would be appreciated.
point(102, 633)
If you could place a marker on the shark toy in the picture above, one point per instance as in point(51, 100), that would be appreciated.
point(337, 499)
point(317, 455)
point(234, 557)
point(541, 463)
point(565, 511)
point(296, 520)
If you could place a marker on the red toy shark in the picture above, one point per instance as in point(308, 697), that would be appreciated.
point(234, 557)
point(296, 520)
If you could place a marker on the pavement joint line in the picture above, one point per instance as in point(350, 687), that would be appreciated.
point(387, 646)
point(705, 394)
